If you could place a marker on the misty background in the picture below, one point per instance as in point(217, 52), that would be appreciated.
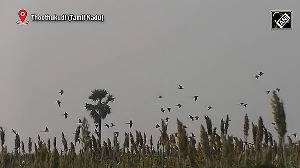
point(144, 49)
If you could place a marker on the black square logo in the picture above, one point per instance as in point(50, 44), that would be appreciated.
point(281, 20)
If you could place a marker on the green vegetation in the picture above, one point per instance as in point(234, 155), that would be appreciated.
point(175, 150)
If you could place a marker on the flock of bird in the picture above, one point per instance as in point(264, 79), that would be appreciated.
point(180, 87)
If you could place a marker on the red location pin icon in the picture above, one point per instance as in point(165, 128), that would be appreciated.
point(22, 14)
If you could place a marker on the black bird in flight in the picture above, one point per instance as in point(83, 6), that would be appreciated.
point(179, 105)
point(66, 115)
point(162, 110)
point(112, 124)
point(167, 119)
point(180, 87)
point(58, 102)
point(159, 97)
point(46, 130)
point(245, 105)
point(294, 134)
point(79, 121)
point(256, 76)
point(169, 109)
point(191, 117)
point(261, 73)
point(192, 135)
point(268, 91)
point(195, 97)
point(61, 92)
point(273, 123)
point(242, 104)
point(209, 107)
point(277, 89)
point(130, 123)
point(184, 126)
point(96, 125)
point(106, 125)
point(196, 117)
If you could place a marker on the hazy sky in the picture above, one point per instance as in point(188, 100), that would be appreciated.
point(142, 50)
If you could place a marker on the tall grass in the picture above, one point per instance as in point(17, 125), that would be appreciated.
point(215, 148)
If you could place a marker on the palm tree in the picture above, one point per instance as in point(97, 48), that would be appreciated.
point(100, 109)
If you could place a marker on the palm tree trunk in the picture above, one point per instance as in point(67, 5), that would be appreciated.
point(99, 131)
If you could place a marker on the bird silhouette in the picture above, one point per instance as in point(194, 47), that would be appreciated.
point(184, 126)
point(106, 125)
point(180, 87)
point(169, 109)
point(159, 97)
point(46, 130)
point(58, 102)
point(167, 119)
point(268, 91)
point(241, 103)
point(256, 76)
point(157, 126)
point(192, 135)
point(195, 97)
point(191, 117)
point(162, 110)
point(179, 105)
point(273, 123)
point(96, 125)
point(196, 117)
point(130, 123)
point(112, 124)
point(277, 89)
point(209, 107)
point(79, 121)
point(66, 115)
point(61, 92)
point(245, 105)
point(261, 73)
point(294, 134)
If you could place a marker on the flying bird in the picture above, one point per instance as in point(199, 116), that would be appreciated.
point(162, 110)
point(46, 130)
point(268, 91)
point(79, 121)
point(245, 105)
point(195, 97)
point(191, 117)
point(209, 107)
point(61, 92)
point(180, 87)
point(66, 115)
point(130, 123)
point(277, 89)
point(169, 109)
point(179, 105)
point(273, 123)
point(159, 97)
point(167, 119)
point(294, 134)
point(106, 125)
point(256, 76)
point(58, 102)
point(196, 117)
point(261, 73)
point(112, 124)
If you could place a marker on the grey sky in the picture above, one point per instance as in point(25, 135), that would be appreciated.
point(142, 50)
